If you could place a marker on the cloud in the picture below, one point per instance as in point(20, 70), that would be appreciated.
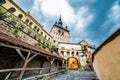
point(113, 19)
point(77, 21)
point(84, 1)
point(51, 8)
point(84, 18)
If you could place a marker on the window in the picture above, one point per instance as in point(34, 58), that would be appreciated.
point(48, 39)
point(34, 36)
point(29, 32)
point(45, 36)
point(21, 28)
point(59, 31)
point(35, 27)
point(30, 23)
point(2, 1)
point(12, 9)
point(68, 52)
point(20, 16)
point(54, 41)
point(38, 30)
point(87, 62)
point(27, 20)
point(41, 33)
point(72, 53)
point(62, 52)
point(77, 53)
point(82, 55)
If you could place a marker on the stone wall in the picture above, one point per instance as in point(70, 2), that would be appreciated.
point(6, 62)
point(21, 35)
point(107, 60)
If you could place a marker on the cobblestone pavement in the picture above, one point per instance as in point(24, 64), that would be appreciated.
point(76, 75)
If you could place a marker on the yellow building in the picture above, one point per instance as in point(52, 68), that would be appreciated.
point(22, 25)
point(28, 28)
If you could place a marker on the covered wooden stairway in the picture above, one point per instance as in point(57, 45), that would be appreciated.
point(19, 59)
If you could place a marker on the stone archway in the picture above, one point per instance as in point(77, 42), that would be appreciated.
point(72, 63)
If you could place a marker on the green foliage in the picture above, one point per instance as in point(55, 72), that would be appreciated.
point(2, 15)
point(44, 46)
point(37, 44)
point(16, 32)
point(52, 49)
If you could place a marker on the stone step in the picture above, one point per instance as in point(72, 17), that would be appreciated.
point(77, 75)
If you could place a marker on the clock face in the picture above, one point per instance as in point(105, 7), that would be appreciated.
point(63, 33)
point(59, 31)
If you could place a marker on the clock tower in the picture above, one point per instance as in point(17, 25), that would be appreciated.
point(60, 33)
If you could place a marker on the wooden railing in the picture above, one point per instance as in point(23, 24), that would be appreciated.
point(29, 69)
point(39, 75)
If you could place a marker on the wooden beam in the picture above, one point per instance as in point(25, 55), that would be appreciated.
point(28, 69)
point(14, 47)
point(26, 50)
point(24, 66)
point(27, 60)
point(19, 52)
point(32, 57)
point(20, 69)
point(51, 59)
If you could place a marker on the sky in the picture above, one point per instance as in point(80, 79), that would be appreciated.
point(91, 20)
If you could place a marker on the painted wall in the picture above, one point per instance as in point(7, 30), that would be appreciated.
point(107, 60)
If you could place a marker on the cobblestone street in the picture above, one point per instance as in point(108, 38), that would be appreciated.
point(76, 75)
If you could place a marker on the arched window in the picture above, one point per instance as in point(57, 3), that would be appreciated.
point(62, 52)
point(41, 33)
point(38, 30)
point(20, 16)
point(45, 36)
point(12, 9)
point(68, 53)
point(72, 53)
point(77, 53)
point(30, 23)
point(27, 20)
point(48, 39)
point(35, 36)
point(35, 27)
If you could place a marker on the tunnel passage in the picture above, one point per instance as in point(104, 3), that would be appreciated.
point(72, 63)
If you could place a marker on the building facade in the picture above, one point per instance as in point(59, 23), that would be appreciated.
point(77, 55)
point(23, 25)
point(20, 24)
point(60, 33)
point(107, 58)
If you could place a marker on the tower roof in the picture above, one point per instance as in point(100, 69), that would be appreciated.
point(60, 23)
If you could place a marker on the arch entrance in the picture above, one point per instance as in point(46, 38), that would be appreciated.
point(72, 63)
